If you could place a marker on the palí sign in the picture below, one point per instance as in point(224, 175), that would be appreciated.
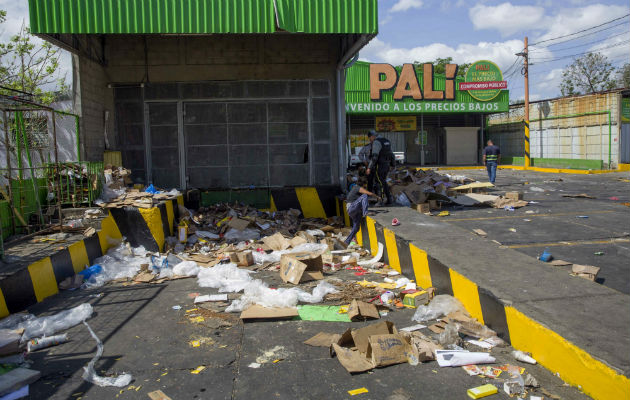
point(410, 91)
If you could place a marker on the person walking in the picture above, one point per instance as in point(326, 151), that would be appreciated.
point(357, 207)
point(381, 159)
point(491, 158)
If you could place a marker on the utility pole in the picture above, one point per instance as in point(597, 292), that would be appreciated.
point(526, 74)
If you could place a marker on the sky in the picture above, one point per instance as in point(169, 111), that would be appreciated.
point(423, 30)
point(467, 31)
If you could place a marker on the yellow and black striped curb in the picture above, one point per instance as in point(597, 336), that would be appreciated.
point(573, 364)
point(142, 227)
point(314, 202)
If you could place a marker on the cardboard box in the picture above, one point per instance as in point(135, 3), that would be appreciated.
point(301, 267)
point(585, 271)
point(416, 299)
point(361, 336)
point(423, 208)
point(276, 242)
point(388, 349)
point(360, 310)
point(514, 195)
point(434, 205)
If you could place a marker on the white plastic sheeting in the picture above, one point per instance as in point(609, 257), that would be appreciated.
point(372, 261)
point(119, 262)
point(186, 268)
point(257, 292)
point(225, 277)
point(90, 375)
point(438, 307)
point(48, 326)
point(275, 256)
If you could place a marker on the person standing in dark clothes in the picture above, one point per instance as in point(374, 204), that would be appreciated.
point(381, 159)
point(491, 158)
point(357, 207)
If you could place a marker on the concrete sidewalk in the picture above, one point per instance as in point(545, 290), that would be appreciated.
point(572, 326)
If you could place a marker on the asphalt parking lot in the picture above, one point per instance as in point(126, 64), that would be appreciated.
point(578, 230)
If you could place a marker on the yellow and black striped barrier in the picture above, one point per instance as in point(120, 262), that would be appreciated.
point(314, 202)
point(142, 227)
point(574, 365)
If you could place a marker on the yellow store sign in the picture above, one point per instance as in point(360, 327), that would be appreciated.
point(395, 124)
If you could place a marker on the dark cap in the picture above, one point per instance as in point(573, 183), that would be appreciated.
point(372, 132)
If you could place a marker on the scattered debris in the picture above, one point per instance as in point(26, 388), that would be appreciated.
point(482, 391)
point(585, 271)
point(579, 196)
point(357, 391)
point(523, 357)
point(480, 232)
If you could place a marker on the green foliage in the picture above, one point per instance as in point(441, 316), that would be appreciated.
point(624, 75)
point(30, 67)
point(588, 74)
point(439, 66)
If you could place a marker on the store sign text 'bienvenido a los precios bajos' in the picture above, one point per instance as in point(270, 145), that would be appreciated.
point(409, 90)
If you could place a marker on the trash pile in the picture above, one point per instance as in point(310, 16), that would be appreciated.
point(117, 193)
point(427, 190)
point(23, 333)
point(457, 340)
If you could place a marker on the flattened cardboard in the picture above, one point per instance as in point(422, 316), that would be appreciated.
point(384, 350)
point(352, 360)
point(10, 341)
point(480, 232)
point(276, 242)
point(296, 241)
point(585, 271)
point(359, 310)
point(514, 195)
point(259, 312)
point(301, 267)
point(423, 208)
point(238, 223)
point(560, 263)
point(323, 339)
point(361, 336)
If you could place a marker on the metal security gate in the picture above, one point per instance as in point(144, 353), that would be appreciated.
point(163, 155)
point(624, 146)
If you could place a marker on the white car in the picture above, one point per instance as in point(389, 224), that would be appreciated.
point(399, 156)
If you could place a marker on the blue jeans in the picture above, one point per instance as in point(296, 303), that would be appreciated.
point(491, 166)
point(356, 211)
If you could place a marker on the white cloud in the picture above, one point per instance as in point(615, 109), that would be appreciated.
point(502, 53)
point(614, 48)
point(571, 20)
point(404, 5)
point(506, 17)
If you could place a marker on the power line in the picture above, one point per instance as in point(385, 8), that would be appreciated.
point(545, 60)
point(583, 30)
point(583, 44)
point(586, 34)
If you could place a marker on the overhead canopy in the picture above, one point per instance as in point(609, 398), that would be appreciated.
point(202, 16)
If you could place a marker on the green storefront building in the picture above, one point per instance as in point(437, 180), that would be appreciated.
point(435, 119)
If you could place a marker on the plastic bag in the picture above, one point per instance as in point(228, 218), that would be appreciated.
point(234, 235)
point(403, 200)
point(48, 326)
point(316, 232)
point(207, 235)
point(440, 305)
point(372, 261)
point(225, 277)
point(257, 292)
point(118, 263)
point(449, 336)
point(90, 375)
point(186, 268)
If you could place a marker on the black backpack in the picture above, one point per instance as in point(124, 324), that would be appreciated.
point(386, 156)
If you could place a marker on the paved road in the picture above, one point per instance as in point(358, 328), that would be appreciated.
point(554, 224)
point(144, 336)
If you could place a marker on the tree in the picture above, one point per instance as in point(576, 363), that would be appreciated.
point(624, 76)
point(30, 67)
point(588, 74)
point(439, 66)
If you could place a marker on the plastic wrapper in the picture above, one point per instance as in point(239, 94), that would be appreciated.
point(48, 341)
point(48, 326)
point(186, 268)
point(403, 200)
point(90, 375)
point(234, 235)
point(372, 261)
point(316, 232)
point(207, 235)
point(440, 305)
point(449, 336)
point(457, 358)
point(118, 263)
point(227, 278)
point(257, 292)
